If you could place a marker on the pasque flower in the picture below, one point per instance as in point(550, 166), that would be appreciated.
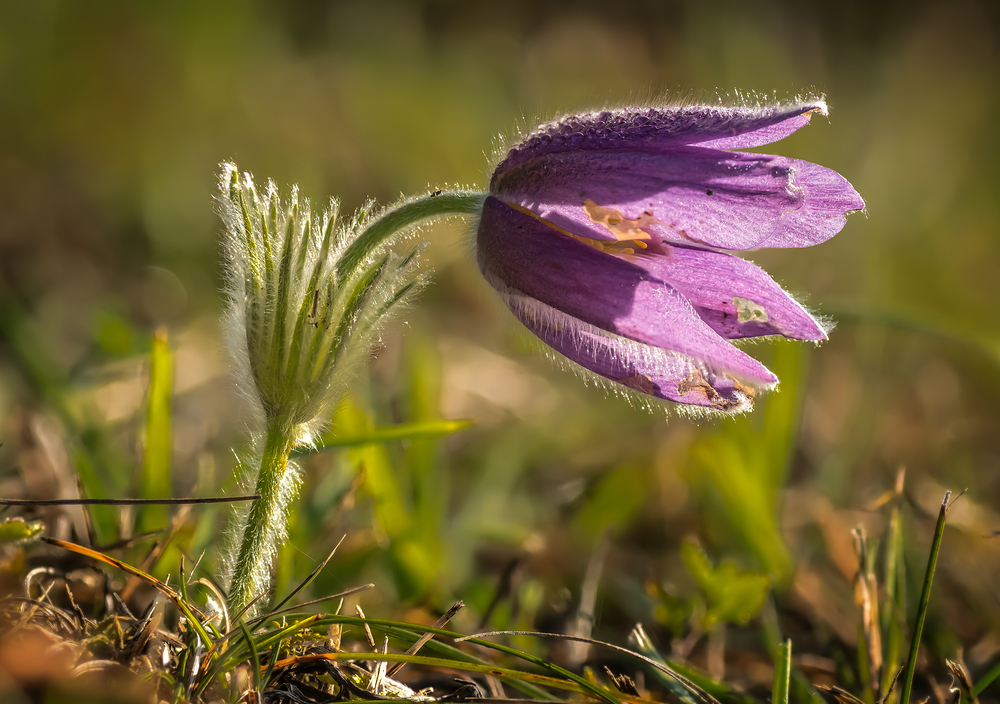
point(608, 235)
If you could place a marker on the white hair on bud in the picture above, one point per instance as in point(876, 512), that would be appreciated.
point(725, 101)
point(306, 301)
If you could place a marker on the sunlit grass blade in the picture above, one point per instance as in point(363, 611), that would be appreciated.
point(271, 662)
point(388, 433)
point(666, 669)
point(440, 623)
point(925, 597)
point(799, 685)
point(986, 680)
point(716, 689)
point(782, 673)
point(155, 481)
point(410, 633)
point(869, 628)
point(309, 579)
point(331, 597)
point(894, 609)
point(185, 608)
point(255, 672)
point(507, 675)
point(240, 650)
point(218, 664)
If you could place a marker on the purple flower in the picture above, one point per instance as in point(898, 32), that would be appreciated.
point(605, 234)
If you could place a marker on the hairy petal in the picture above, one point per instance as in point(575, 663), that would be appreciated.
point(643, 368)
point(728, 200)
point(525, 255)
point(652, 129)
point(735, 297)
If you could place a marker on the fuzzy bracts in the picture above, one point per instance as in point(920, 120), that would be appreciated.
point(307, 298)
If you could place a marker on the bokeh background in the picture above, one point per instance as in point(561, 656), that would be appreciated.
point(114, 117)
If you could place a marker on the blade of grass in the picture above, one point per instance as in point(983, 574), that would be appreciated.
point(440, 623)
point(154, 480)
point(170, 593)
point(254, 659)
point(986, 680)
point(271, 662)
point(404, 431)
point(239, 651)
point(223, 638)
point(408, 633)
point(717, 689)
point(800, 686)
point(691, 686)
point(308, 580)
point(895, 591)
point(925, 597)
point(448, 664)
point(782, 673)
point(865, 596)
point(646, 647)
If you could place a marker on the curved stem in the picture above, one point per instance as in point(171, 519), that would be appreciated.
point(398, 218)
point(265, 523)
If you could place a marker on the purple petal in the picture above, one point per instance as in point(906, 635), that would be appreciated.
point(643, 368)
point(728, 200)
point(526, 256)
point(735, 297)
point(653, 129)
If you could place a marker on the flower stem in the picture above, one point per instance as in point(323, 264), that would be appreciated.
point(266, 520)
point(396, 219)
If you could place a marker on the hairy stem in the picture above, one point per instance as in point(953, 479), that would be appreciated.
point(266, 520)
point(400, 217)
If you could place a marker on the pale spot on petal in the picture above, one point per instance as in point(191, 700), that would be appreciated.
point(747, 311)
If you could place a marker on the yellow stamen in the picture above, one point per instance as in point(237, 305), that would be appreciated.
point(617, 224)
point(624, 247)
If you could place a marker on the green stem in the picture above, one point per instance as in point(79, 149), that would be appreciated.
point(265, 524)
point(925, 597)
point(396, 219)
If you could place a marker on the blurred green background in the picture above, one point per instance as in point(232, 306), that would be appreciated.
point(114, 117)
